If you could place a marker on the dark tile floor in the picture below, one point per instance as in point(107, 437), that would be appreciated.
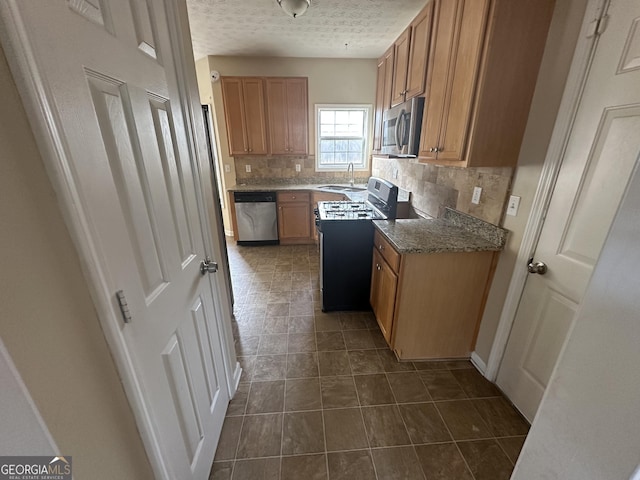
point(323, 397)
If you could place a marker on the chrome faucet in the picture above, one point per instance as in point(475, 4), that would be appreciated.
point(350, 174)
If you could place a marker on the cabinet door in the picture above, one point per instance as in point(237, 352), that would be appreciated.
point(419, 52)
point(464, 77)
point(297, 116)
point(234, 115)
point(401, 61)
point(277, 109)
point(294, 221)
point(255, 118)
point(383, 294)
point(455, 61)
point(380, 94)
point(288, 115)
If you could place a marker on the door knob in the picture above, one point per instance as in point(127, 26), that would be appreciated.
point(208, 266)
point(536, 267)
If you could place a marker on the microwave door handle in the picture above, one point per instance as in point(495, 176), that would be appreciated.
point(400, 130)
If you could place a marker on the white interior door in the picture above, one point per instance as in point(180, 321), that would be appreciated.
point(602, 150)
point(109, 75)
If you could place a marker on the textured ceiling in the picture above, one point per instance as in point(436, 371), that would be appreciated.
point(261, 28)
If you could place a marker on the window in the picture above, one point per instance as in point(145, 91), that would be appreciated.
point(342, 136)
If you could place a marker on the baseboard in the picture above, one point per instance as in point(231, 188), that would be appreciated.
point(478, 363)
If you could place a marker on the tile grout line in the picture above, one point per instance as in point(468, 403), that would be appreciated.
point(456, 445)
point(413, 447)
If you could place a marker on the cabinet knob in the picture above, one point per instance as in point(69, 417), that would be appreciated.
point(293, 196)
point(378, 267)
point(380, 247)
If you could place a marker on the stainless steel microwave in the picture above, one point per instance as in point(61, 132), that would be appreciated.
point(401, 127)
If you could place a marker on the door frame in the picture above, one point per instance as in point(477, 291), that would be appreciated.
point(47, 131)
point(571, 98)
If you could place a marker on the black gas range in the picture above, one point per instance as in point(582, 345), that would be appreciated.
point(345, 232)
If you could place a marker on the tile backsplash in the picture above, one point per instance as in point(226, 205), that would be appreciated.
point(433, 187)
point(264, 168)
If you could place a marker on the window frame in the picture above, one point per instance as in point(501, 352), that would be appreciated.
point(367, 133)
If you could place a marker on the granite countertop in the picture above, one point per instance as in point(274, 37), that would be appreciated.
point(403, 195)
point(453, 232)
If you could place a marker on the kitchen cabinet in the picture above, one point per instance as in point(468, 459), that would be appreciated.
point(429, 305)
point(383, 95)
point(483, 66)
point(384, 281)
point(245, 115)
point(410, 58)
point(287, 107)
point(294, 217)
point(419, 52)
point(400, 63)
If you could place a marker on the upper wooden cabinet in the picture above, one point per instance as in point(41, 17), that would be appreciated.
point(411, 51)
point(419, 52)
point(244, 110)
point(383, 95)
point(400, 63)
point(287, 107)
point(483, 66)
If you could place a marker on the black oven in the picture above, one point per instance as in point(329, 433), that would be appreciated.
point(345, 233)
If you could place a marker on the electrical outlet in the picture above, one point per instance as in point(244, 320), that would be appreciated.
point(298, 167)
point(247, 168)
point(227, 168)
point(514, 203)
point(477, 191)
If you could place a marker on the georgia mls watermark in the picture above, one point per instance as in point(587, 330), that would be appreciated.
point(35, 468)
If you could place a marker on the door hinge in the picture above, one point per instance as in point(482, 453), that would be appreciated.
point(598, 26)
point(124, 306)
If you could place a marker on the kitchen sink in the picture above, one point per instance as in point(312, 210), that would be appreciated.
point(343, 188)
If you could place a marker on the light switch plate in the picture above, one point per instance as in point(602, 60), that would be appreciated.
point(247, 168)
point(512, 208)
point(298, 167)
point(227, 168)
point(477, 191)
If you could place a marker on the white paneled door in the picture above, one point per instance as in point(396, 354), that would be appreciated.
point(603, 147)
point(115, 108)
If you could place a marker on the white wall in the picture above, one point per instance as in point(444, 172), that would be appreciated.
point(588, 424)
point(47, 319)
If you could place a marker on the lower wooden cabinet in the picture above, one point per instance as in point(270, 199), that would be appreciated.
point(384, 282)
point(294, 218)
point(429, 305)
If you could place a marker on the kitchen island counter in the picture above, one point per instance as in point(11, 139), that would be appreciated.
point(453, 232)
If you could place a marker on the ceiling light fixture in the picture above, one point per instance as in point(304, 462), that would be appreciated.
point(295, 8)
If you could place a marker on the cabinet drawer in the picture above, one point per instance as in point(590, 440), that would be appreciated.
point(387, 251)
point(295, 196)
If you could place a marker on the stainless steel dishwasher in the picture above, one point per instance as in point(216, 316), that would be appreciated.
point(257, 218)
